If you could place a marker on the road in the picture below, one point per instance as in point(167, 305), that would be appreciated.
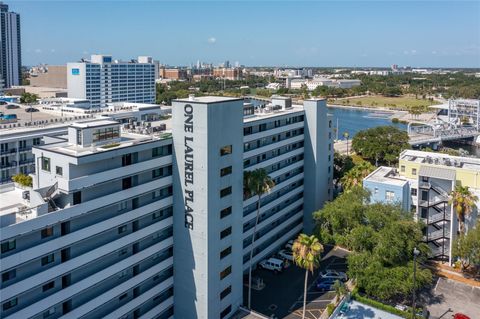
point(341, 147)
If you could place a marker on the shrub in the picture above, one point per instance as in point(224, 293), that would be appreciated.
point(382, 306)
point(22, 179)
point(395, 120)
point(330, 308)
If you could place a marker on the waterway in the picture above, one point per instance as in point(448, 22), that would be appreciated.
point(353, 120)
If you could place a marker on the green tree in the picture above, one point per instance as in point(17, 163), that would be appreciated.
point(340, 289)
point(463, 201)
point(380, 144)
point(306, 254)
point(467, 249)
point(341, 165)
point(355, 176)
point(28, 98)
point(23, 179)
point(255, 183)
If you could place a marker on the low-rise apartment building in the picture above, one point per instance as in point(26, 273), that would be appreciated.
point(422, 184)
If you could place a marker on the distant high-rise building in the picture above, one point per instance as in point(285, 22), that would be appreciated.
point(10, 52)
point(104, 80)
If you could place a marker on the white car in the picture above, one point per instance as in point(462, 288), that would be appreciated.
point(289, 244)
point(273, 264)
point(333, 274)
point(287, 254)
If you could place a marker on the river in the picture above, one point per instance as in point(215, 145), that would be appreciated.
point(353, 120)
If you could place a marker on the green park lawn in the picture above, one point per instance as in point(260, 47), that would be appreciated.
point(404, 102)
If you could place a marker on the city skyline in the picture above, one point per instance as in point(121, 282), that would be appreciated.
point(375, 34)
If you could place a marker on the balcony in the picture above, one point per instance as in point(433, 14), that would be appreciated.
point(9, 151)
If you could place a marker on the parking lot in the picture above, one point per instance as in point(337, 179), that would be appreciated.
point(282, 296)
point(449, 297)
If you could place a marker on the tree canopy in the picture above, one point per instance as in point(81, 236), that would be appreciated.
point(380, 144)
point(381, 237)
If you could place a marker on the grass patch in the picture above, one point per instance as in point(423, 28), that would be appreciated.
point(404, 102)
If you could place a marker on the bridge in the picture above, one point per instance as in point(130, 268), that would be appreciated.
point(435, 133)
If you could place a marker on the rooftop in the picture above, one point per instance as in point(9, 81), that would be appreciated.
point(126, 139)
point(11, 200)
point(386, 175)
point(209, 99)
point(440, 159)
point(94, 123)
point(259, 115)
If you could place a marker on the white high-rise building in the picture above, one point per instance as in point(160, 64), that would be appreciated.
point(96, 234)
point(10, 50)
point(103, 80)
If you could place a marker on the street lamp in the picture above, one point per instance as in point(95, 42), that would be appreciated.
point(416, 252)
point(346, 135)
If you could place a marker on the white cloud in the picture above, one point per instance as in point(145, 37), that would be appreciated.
point(52, 50)
point(212, 40)
point(434, 52)
point(38, 51)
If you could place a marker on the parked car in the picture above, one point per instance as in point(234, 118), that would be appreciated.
point(289, 244)
point(31, 109)
point(325, 284)
point(273, 264)
point(333, 274)
point(287, 254)
point(11, 106)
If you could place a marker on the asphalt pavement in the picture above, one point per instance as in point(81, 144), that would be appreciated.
point(282, 296)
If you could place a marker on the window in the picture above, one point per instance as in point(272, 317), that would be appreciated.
point(226, 171)
point(226, 292)
point(122, 297)
point(226, 232)
point(375, 190)
point(48, 259)
point(77, 198)
point(225, 312)
point(402, 168)
point(122, 205)
point(79, 137)
point(226, 150)
point(9, 275)
point(424, 212)
point(389, 196)
point(10, 304)
point(48, 286)
point(36, 141)
point(59, 170)
point(127, 159)
point(226, 191)
point(157, 172)
point(225, 212)
point(227, 251)
point(105, 134)
point(247, 130)
point(123, 273)
point(46, 164)
point(49, 312)
point(9, 245)
point(413, 192)
point(227, 271)
point(122, 251)
point(47, 232)
point(122, 229)
point(414, 171)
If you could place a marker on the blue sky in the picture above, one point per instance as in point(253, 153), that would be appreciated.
point(255, 33)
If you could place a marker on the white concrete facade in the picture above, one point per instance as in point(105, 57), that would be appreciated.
point(103, 80)
point(174, 207)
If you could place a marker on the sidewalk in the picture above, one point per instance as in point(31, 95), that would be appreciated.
point(450, 273)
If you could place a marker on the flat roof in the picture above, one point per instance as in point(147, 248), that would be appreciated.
point(11, 201)
point(387, 175)
point(94, 123)
point(441, 159)
point(260, 115)
point(210, 99)
point(127, 139)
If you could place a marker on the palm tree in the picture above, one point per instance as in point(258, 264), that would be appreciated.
point(306, 254)
point(355, 176)
point(340, 290)
point(255, 182)
point(464, 202)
